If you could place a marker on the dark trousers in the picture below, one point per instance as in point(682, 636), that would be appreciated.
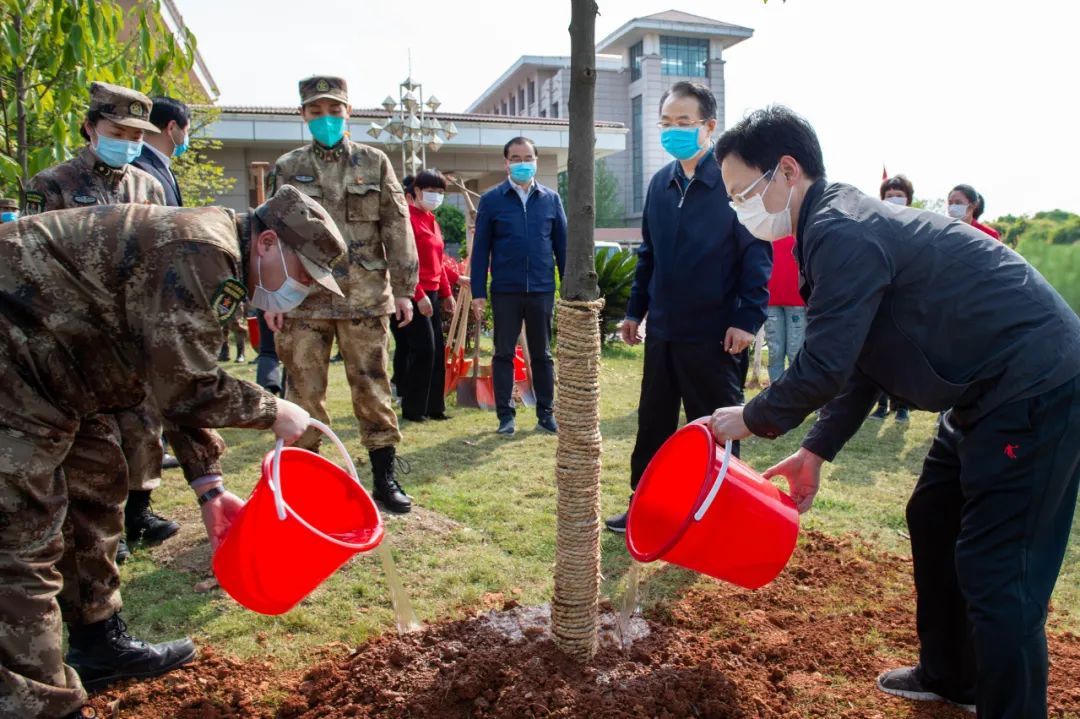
point(989, 520)
point(699, 376)
point(508, 311)
point(267, 366)
point(419, 362)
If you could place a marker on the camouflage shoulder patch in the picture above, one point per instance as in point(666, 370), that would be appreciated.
point(35, 202)
point(227, 299)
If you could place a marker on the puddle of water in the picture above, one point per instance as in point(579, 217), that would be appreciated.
point(404, 616)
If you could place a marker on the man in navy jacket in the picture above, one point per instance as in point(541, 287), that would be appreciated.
point(702, 282)
point(173, 120)
point(521, 235)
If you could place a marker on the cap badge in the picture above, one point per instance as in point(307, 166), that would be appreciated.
point(136, 109)
point(322, 86)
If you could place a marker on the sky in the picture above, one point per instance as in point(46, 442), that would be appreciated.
point(983, 92)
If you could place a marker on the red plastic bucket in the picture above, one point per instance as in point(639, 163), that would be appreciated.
point(285, 543)
point(701, 508)
point(253, 332)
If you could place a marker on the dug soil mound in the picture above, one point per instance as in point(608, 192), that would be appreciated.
point(809, 645)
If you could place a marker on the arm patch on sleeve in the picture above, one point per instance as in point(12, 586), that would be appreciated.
point(227, 299)
point(35, 202)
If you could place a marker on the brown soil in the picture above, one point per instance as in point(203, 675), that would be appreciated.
point(809, 645)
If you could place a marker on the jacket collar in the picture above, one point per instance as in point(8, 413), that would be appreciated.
point(707, 170)
point(329, 154)
point(112, 174)
point(809, 205)
point(507, 186)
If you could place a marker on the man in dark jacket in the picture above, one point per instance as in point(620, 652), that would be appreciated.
point(173, 121)
point(940, 316)
point(702, 281)
point(521, 235)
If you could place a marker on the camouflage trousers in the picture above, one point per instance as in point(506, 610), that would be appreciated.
point(304, 345)
point(140, 432)
point(62, 489)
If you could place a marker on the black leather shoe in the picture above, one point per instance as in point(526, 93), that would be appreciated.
point(414, 417)
point(143, 525)
point(122, 551)
point(506, 426)
point(440, 417)
point(103, 653)
point(169, 462)
point(547, 424)
point(387, 490)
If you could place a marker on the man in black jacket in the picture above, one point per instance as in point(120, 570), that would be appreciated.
point(173, 121)
point(942, 317)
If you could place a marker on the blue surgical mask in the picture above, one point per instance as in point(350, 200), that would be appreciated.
point(8, 216)
point(522, 171)
point(182, 147)
point(681, 142)
point(327, 129)
point(117, 153)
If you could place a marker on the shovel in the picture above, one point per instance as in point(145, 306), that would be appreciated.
point(525, 386)
point(476, 390)
point(455, 351)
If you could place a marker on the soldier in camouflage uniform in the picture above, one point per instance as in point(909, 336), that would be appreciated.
point(101, 175)
point(98, 306)
point(9, 209)
point(357, 185)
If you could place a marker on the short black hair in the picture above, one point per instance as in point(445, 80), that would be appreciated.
point(518, 141)
point(973, 197)
point(899, 182)
point(764, 136)
point(424, 180)
point(705, 99)
point(166, 110)
point(93, 117)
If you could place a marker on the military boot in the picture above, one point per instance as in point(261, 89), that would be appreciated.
point(122, 551)
point(104, 652)
point(387, 491)
point(141, 524)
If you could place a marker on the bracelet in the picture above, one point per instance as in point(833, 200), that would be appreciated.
point(210, 494)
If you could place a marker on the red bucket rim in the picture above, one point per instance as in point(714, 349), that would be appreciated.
point(710, 471)
point(376, 534)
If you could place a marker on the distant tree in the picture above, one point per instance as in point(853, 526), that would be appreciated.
point(937, 205)
point(201, 180)
point(52, 50)
point(609, 211)
point(452, 222)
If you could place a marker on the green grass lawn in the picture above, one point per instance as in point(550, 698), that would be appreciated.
point(485, 524)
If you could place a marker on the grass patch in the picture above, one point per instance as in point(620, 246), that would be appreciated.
point(486, 523)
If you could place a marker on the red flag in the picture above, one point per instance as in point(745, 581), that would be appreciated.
point(884, 173)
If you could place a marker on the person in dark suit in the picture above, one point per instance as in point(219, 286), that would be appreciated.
point(173, 119)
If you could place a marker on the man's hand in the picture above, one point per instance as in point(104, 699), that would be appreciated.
point(478, 306)
point(274, 320)
point(448, 305)
point(218, 515)
point(425, 307)
point(736, 340)
point(628, 330)
point(292, 420)
point(727, 423)
point(403, 310)
point(802, 470)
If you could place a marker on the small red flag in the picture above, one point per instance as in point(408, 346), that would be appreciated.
point(884, 173)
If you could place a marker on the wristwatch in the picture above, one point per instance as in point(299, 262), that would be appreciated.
point(210, 494)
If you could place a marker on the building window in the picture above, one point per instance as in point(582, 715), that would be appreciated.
point(504, 110)
point(521, 101)
point(684, 56)
point(543, 113)
point(636, 51)
point(555, 109)
point(513, 105)
point(532, 91)
point(637, 153)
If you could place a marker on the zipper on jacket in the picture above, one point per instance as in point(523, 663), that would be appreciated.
point(525, 213)
point(682, 198)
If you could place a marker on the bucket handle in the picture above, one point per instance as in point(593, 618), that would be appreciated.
point(275, 472)
point(716, 484)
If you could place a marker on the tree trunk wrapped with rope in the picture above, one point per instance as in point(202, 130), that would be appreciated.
point(577, 409)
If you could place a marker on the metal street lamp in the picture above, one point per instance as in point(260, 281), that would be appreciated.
point(412, 126)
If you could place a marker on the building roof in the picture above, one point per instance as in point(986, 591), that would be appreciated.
point(673, 21)
point(380, 113)
point(526, 63)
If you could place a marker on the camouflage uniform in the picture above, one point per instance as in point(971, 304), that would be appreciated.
point(96, 307)
point(357, 186)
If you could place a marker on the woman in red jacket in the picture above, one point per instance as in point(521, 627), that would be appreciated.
point(968, 205)
point(786, 318)
point(419, 346)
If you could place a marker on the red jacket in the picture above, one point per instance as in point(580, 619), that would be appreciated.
point(988, 230)
point(430, 251)
point(784, 282)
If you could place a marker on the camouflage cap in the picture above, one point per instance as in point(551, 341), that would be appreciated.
point(302, 224)
point(8, 205)
point(317, 87)
point(122, 105)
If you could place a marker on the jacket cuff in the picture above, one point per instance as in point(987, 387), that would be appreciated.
point(748, 321)
point(201, 468)
point(267, 412)
point(821, 446)
point(756, 420)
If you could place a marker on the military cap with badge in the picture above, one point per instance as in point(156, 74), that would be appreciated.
point(127, 108)
point(328, 130)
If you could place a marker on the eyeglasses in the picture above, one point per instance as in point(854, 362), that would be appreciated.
point(684, 124)
point(740, 198)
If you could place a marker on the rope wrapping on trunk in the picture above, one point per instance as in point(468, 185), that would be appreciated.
point(577, 474)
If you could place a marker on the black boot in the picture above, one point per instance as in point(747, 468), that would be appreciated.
point(104, 652)
point(387, 491)
point(141, 524)
point(223, 355)
point(122, 551)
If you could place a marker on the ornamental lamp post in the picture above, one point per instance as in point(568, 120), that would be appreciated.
point(412, 126)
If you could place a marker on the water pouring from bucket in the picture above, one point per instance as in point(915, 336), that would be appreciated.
point(305, 518)
point(701, 508)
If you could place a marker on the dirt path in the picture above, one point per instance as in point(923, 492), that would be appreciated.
point(809, 645)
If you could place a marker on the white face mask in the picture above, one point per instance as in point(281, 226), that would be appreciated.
point(762, 224)
point(897, 200)
point(958, 212)
point(285, 298)
point(431, 201)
